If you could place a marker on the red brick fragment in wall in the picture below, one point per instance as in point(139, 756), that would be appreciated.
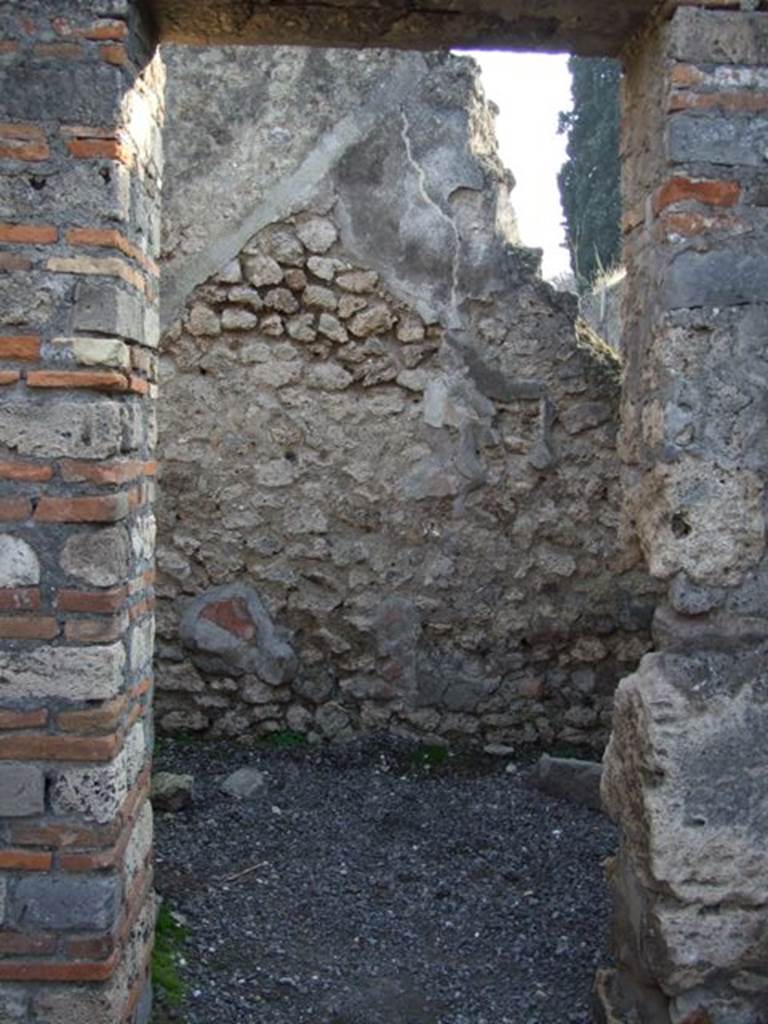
point(25, 860)
point(107, 509)
point(22, 347)
point(20, 599)
point(102, 472)
point(733, 102)
point(114, 54)
point(99, 380)
point(26, 747)
point(94, 601)
point(25, 471)
point(22, 944)
point(711, 192)
point(66, 51)
point(28, 234)
point(28, 627)
point(15, 509)
point(22, 142)
point(232, 616)
point(50, 971)
point(23, 719)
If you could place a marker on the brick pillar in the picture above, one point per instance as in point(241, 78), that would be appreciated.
point(80, 113)
point(687, 767)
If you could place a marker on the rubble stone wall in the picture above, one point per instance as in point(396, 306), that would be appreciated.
point(385, 441)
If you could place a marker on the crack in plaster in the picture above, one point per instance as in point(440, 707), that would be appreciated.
point(421, 177)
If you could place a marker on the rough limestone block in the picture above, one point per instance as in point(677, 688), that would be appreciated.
point(728, 276)
point(102, 307)
point(22, 790)
point(19, 566)
point(724, 37)
point(692, 139)
point(65, 673)
point(142, 645)
point(701, 519)
point(13, 1004)
point(570, 779)
point(171, 791)
point(245, 783)
point(101, 352)
point(64, 901)
point(685, 776)
point(138, 848)
point(90, 429)
point(72, 199)
point(143, 535)
point(724, 1007)
point(731, 942)
point(100, 556)
point(96, 792)
point(69, 91)
point(135, 751)
point(25, 299)
point(151, 325)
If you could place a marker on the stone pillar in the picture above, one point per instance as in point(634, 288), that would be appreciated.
point(80, 112)
point(687, 767)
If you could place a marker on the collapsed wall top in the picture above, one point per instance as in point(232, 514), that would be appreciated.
point(587, 27)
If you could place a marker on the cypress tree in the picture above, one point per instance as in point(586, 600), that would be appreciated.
point(589, 180)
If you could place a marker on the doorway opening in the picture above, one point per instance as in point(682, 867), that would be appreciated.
point(389, 505)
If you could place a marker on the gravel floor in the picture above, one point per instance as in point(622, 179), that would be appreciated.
point(383, 890)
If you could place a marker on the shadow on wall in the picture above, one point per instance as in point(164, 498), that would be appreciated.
point(390, 497)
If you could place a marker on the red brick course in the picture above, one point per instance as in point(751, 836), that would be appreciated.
point(25, 471)
point(104, 718)
point(93, 601)
point(25, 860)
point(26, 599)
point(99, 380)
point(28, 747)
point(20, 346)
point(28, 234)
point(14, 509)
point(22, 142)
point(102, 472)
point(108, 508)
point(28, 627)
point(23, 719)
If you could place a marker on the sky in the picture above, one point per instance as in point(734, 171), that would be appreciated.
point(530, 89)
